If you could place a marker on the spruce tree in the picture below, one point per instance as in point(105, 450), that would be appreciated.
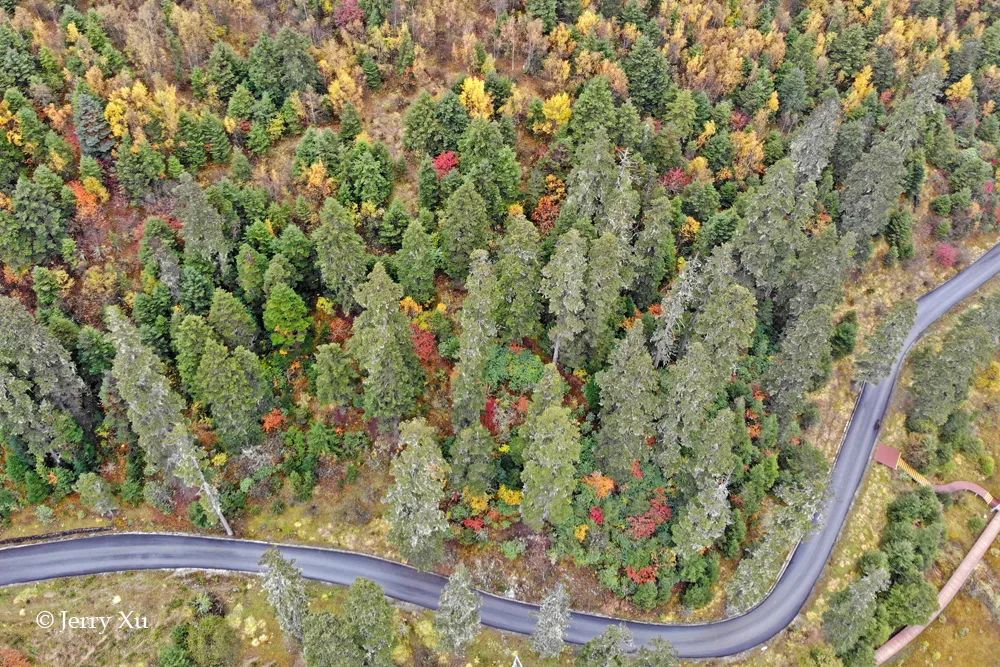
point(384, 349)
point(881, 348)
point(605, 268)
point(610, 649)
point(340, 254)
point(464, 227)
point(563, 287)
point(594, 109)
point(204, 228)
point(286, 317)
point(230, 386)
point(334, 376)
point(231, 321)
point(476, 340)
point(32, 231)
point(92, 129)
point(472, 459)
point(648, 76)
point(417, 526)
point(553, 619)
point(285, 588)
point(519, 281)
point(629, 404)
point(421, 131)
point(457, 616)
point(549, 475)
point(415, 263)
point(189, 340)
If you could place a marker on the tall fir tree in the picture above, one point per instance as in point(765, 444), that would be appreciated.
point(547, 640)
point(881, 348)
point(285, 588)
point(519, 281)
point(464, 227)
point(340, 254)
point(457, 616)
point(549, 475)
point(563, 287)
point(416, 262)
point(476, 340)
point(417, 526)
point(384, 349)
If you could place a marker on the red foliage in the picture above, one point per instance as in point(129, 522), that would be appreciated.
point(444, 163)
point(424, 343)
point(274, 420)
point(546, 213)
point(12, 658)
point(659, 512)
point(643, 575)
point(945, 255)
point(637, 470)
point(522, 404)
point(490, 416)
point(476, 523)
point(738, 119)
point(85, 201)
point(597, 515)
point(675, 180)
point(348, 12)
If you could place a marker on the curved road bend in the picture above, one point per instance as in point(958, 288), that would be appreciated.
point(119, 552)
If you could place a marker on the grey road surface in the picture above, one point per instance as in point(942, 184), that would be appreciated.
point(120, 552)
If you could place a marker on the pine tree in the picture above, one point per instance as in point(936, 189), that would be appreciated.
point(457, 617)
point(92, 129)
point(286, 592)
point(464, 227)
point(39, 385)
point(189, 340)
point(232, 321)
point(563, 286)
point(33, 230)
point(384, 349)
point(230, 386)
point(885, 343)
point(95, 493)
point(594, 108)
point(648, 76)
point(553, 619)
point(610, 649)
point(341, 254)
point(334, 376)
point(549, 475)
point(286, 317)
point(519, 281)
point(417, 524)
point(415, 263)
point(478, 335)
point(204, 228)
point(155, 413)
point(629, 404)
point(421, 131)
point(606, 266)
point(472, 459)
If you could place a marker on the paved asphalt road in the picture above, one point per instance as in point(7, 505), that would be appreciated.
point(111, 553)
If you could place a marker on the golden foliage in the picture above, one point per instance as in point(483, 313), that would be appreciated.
point(475, 99)
point(601, 484)
point(557, 111)
point(510, 496)
point(960, 90)
point(860, 89)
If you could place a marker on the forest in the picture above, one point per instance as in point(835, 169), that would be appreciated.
point(564, 273)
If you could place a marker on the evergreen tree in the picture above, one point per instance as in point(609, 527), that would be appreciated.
point(384, 349)
point(452, 118)
point(189, 340)
point(610, 649)
point(628, 404)
point(34, 228)
point(851, 613)
point(40, 391)
point(286, 591)
point(229, 384)
point(655, 249)
point(563, 286)
point(415, 263)
point(231, 321)
point(341, 254)
point(464, 227)
point(250, 268)
point(92, 130)
point(362, 634)
point(95, 493)
point(648, 76)
point(594, 109)
point(155, 413)
point(519, 281)
point(472, 459)
point(334, 376)
point(225, 69)
point(457, 617)
point(803, 347)
point(417, 524)
point(606, 267)
point(491, 164)
point(421, 131)
point(553, 619)
point(478, 335)
point(656, 653)
point(286, 317)
point(885, 343)
point(549, 475)
point(204, 228)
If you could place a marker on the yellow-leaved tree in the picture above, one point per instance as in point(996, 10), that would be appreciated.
point(475, 99)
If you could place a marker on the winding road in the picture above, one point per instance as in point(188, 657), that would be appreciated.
point(131, 551)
